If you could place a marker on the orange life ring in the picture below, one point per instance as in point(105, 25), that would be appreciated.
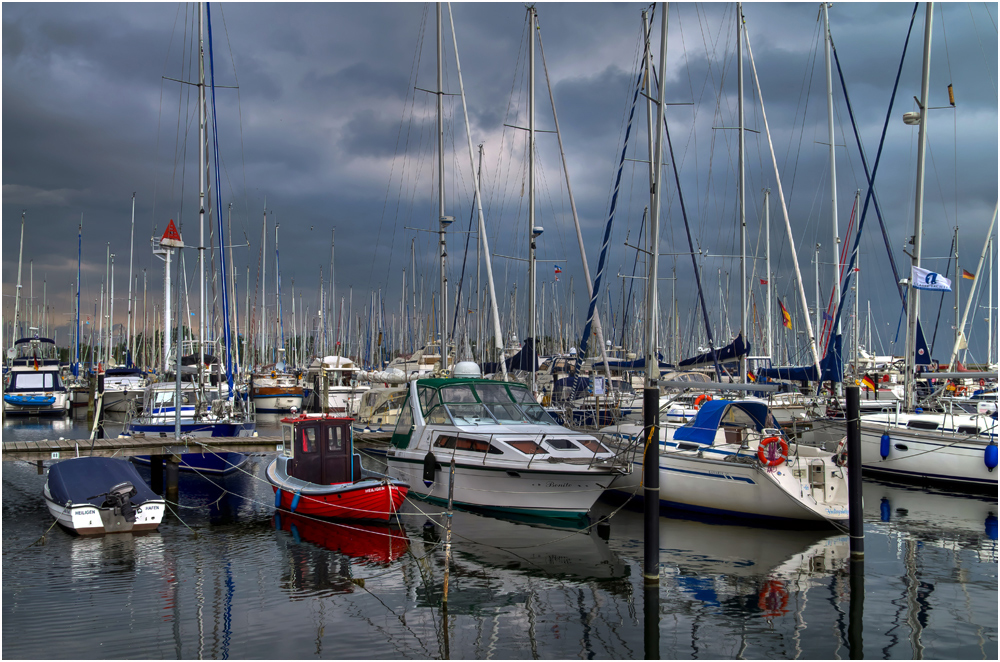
point(982, 382)
point(961, 390)
point(701, 399)
point(773, 599)
point(772, 451)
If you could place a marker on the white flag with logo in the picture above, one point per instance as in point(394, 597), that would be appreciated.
point(925, 279)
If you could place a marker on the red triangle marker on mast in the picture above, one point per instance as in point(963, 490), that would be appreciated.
point(172, 237)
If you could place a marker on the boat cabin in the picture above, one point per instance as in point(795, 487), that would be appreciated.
point(321, 449)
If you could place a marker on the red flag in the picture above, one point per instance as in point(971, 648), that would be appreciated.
point(786, 320)
point(763, 281)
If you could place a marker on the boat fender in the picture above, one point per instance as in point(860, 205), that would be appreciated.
point(430, 468)
point(990, 456)
point(277, 498)
point(991, 526)
point(884, 510)
point(884, 444)
point(295, 501)
point(772, 451)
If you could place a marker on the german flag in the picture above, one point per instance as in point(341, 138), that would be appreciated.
point(869, 383)
point(968, 275)
point(786, 319)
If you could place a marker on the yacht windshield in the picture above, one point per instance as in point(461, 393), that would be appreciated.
point(500, 404)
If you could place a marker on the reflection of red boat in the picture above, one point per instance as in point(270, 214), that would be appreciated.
point(319, 474)
point(379, 543)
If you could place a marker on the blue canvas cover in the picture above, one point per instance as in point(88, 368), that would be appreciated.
point(82, 479)
point(702, 428)
point(832, 366)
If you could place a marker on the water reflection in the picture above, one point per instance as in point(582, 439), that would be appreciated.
point(309, 570)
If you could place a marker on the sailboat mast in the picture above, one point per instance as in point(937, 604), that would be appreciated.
point(130, 332)
point(443, 221)
point(767, 254)
point(79, 254)
point(835, 247)
point(532, 18)
point(742, 187)
point(913, 300)
point(656, 163)
point(17, 295)
point(202, 189)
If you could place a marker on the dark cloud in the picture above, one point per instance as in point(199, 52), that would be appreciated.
point(321, 129)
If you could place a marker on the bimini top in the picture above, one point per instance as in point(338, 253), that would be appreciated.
point(701, 429)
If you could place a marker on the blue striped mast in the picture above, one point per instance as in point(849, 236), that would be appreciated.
point(79, 250)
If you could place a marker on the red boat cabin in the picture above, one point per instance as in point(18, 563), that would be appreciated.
point(321, 448)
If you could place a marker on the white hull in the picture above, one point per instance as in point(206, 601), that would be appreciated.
point(87, 519)
point(927, 455)
point(506, 486)
point(747, 490)
point(277, 403)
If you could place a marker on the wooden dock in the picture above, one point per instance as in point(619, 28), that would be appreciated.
point(62, 449)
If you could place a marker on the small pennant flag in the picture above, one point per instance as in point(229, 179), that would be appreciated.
point(968, 275)
point(827, 317)
point(763, 281)
point(558, 271)
point(786, 319)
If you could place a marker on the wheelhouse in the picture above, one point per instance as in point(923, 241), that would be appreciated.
point(321, 449)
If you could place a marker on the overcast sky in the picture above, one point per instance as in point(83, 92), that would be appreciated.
point(332, 126)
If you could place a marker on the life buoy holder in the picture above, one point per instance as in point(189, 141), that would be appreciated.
point(773, 599)
point(701, 399)
point(772, 451)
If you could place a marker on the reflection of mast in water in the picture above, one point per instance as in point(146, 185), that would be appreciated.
point(916, 616)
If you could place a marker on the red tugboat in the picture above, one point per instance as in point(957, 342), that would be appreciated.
point(318, 473)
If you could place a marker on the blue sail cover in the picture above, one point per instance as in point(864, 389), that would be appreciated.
point(831, 365)
point(523, 360)
point(730, 352)
point(702, 429)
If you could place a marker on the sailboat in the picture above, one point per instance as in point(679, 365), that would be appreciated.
point(909, 443)
point(205, 405)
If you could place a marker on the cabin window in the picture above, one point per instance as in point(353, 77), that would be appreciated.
point(462, 393)
point(428, 398)
point(31, 380)
point(562, 444)
point(527, 447)
point(593, 445)
point(309, 440)
point(334, 439)
point(493, 393)
point(466, 444)
point(522, 395)
point(922, 425)
point(438, 416)
point(968, 429)
point(471, 414)
point(287, 439)
point(405, 420)
point(535, 413)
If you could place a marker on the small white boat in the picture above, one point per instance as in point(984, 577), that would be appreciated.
point(96, 495)
point(123, 387)
point(734, 459)
point(35, 386)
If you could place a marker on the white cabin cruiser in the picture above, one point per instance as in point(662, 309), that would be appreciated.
point(509, 455)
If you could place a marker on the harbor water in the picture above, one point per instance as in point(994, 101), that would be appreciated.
point(224, 577)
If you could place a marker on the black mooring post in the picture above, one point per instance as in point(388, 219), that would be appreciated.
point(854, 500)
point(651, 521)
point(100, 409)
point(856, 609)
point(651, 484)
point(172, 477)
point(156, 473)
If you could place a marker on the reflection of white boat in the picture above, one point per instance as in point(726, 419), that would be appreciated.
point(532, 546)
point(734, 459)
point(934, 516)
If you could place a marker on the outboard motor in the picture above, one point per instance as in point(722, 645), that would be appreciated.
point(119, 498)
